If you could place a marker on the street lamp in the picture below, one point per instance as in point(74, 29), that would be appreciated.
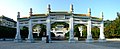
point(38, 30)
point(80, 29)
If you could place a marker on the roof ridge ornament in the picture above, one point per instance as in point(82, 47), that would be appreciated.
point(48, 7)
point(102, 15)
point(71, 8)
point(2, 15)
point(30, 12)
point(118, 14)
point(18, 16)
point(89, 11)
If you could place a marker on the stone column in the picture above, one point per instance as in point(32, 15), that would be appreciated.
point(30, 35)
point(89, 35)
point(18, 36)
point(102, 37)
point(48, 28)
point(71, 33)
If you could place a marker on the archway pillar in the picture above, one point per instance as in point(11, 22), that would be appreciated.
point(89, 35)
point(30, 35)
point(102, 37)
point(48, 27)
point(18, 36)
point(71, 26)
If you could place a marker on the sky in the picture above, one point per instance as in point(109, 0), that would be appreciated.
point(9, 8)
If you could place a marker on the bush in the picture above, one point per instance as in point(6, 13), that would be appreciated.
point(6, 32)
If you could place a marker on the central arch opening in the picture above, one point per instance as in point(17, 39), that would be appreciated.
point(59, 31)
point(39, 31)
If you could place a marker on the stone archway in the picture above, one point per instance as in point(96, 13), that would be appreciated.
point(60, 16)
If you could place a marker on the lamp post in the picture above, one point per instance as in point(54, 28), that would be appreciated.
point(38, 30)
point(80, 29)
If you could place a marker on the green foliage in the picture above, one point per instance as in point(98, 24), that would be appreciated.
point(67, 34)
point(95, 32)
point(52, 34)
point(113, 30)
point(76, 31)
point(24, 32)
point(6, 32)
point(107, 23)
point(84, 31)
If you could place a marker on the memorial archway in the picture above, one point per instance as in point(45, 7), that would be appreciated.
point(60, 16)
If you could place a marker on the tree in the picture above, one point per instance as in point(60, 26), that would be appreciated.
point(6, 32)
point(95, 32)
point(113, 30)
point(107, 23)
point(24, 32)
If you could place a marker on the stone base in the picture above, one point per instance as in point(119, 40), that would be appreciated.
point(71, 40)
point(76, 38)
point(30, 40)
point(89, 40)
point(102, 40)
point(17, 40)
point(50, 41)
point(44, 39)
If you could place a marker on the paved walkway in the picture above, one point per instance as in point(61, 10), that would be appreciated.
point(59, 45)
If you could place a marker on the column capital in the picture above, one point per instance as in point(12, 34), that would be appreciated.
point(89, 11)
point(118, 14)
point(101, 15)
point(30, 11)
point(18, 14)
point(71, 8)
point(48, 8)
